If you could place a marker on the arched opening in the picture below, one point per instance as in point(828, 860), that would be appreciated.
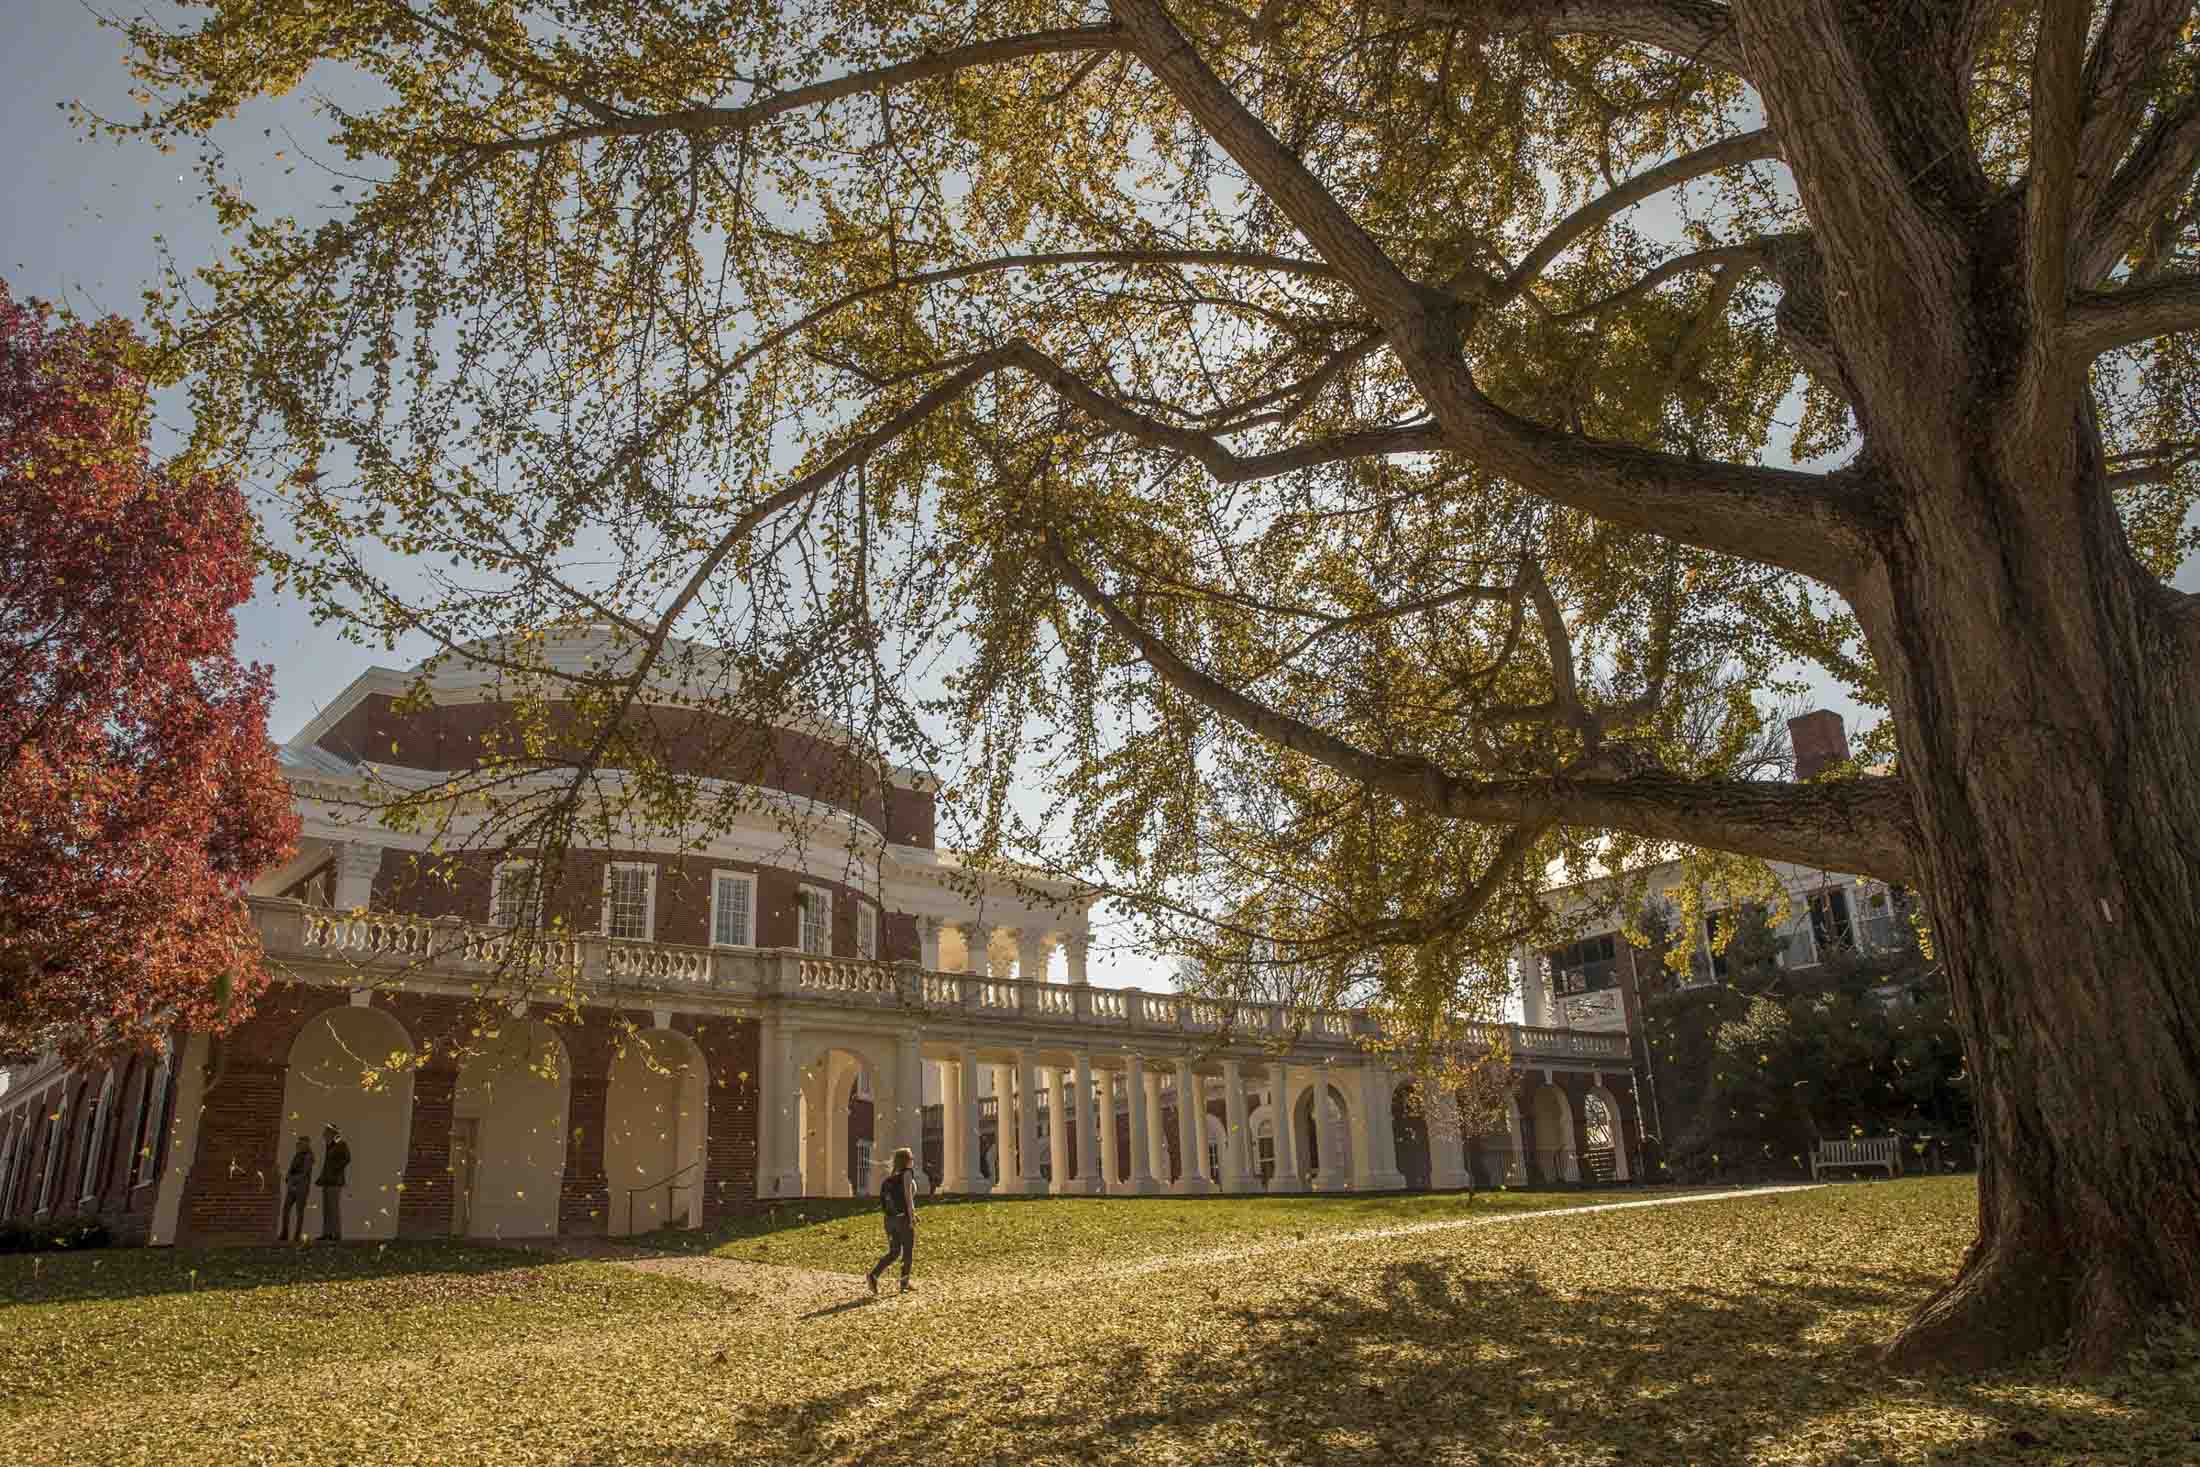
point(1218, 1143)
point(1553, 1157)
point(1606, 1159)
point(1338, 1123)
point(508, 1134)
point(654, 1128)
point(347, 1068)
point(1261, 1126)
point(838, 1139)
point(1409, 1131)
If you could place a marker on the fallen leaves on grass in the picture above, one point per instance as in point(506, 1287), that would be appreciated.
point(1713, 1332)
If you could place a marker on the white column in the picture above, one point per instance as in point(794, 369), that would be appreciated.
point(928, 944)
point(183, 1135)
point(1328, 1137)
point(357, 864)
point(1058, 1122)
point(1373, 1166)
point(966, 1121)
point(908, 1110)
point(1109, 1167)
point(1027, 1122)
point(1073, 952)
point(1141, 1181)
point(1287, 1177)
point(1031, 955)
point(973, 941)
point(1447, 1142)
point(1091, 1176)
point(1006, 1168)
point(1157, 1140)
point(1238, 1172)
point(1516, 1163)
point(783, 1107)
point(953, 1174)
point(1191, 1133)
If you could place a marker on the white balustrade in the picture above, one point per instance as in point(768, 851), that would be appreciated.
point(472, 948)
point(657, 962)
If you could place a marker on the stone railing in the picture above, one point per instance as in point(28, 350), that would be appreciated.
point(391, 943)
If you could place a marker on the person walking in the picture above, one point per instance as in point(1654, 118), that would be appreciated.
point(335, 1161)
point(297, 1182)
point(898, 1195)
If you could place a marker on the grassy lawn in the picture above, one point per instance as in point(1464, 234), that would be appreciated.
point(1706, 1332)
point(967, 1238)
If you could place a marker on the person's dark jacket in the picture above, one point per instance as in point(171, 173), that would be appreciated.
point(335, 1163)
point(898, 1195)
point(300, 1175)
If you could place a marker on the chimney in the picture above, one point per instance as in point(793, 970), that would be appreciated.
point(1820, 739)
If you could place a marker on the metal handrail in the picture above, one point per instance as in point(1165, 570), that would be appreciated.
point(671, 1184)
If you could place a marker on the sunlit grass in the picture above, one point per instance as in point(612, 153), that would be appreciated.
point(1735, 1331)
point(965, 1237)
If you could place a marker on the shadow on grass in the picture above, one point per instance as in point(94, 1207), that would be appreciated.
point(129, 1273)
point(1444, 1362)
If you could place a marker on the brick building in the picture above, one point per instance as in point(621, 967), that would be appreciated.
point(765, 1016)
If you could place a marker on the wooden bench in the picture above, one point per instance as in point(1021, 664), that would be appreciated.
point(1879, 1151)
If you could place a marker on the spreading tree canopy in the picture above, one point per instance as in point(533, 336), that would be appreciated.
point(138, 789)
point(1346, 454)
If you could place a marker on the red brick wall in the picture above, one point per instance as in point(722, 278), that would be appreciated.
point(731, 1054)
point(459, 886)
point(684, 741)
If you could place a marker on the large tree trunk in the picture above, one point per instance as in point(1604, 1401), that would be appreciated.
point(2049, 717)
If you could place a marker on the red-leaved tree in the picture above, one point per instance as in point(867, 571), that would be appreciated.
point(138, 788)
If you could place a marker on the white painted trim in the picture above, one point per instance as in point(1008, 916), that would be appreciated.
point(649, 899)
point(496, 889)
point(747, 878)
point(801, 935)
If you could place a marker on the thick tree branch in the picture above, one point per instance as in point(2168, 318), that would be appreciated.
point(2134, 38)
point(707, 120)
point(1748, 147)
point(1694, 29)
point(2160, 168)
point(2104, 320)
point(1806, 523)
point(2054, 152)
point(1862, 827)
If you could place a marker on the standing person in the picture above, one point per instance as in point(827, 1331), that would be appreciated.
point(898, 1195)
point(335, 1161)
point(296, 1183)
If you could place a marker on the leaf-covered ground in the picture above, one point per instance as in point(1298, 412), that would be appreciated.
point(967, 1237)
point(1701, 1332)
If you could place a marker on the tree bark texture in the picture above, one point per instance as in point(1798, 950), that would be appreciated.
point(2049, 721)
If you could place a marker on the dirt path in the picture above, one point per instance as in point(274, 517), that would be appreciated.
point(810, 1292)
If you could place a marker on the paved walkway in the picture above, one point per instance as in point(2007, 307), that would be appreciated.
point(810, 1292)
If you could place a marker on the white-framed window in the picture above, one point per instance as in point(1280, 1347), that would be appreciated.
point(95, 1134)
point(7, 1166)
point(630, 900)
point(53, 1157)
point(515, 895)
point(149, 1149)
point(732, 909)
point(817, 919)
point(866, 930)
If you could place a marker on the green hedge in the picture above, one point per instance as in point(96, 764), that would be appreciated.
point(53, 1234)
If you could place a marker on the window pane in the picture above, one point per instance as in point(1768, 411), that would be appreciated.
point(629, 902)
point(733, 912)
point(817, 921)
